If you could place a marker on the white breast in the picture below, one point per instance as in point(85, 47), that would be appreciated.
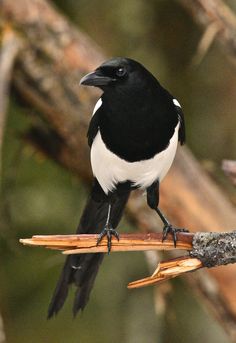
point(110, 169)
point(97, 106)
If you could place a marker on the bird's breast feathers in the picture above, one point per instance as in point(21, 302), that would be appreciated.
point(109, 169)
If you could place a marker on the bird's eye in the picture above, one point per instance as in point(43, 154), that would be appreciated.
point(120, 72)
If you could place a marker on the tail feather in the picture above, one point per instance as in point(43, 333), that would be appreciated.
point(62, 288)
point(81, 270)
point(86, 283)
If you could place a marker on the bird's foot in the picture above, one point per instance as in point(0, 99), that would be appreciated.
point(109, 232)
point(168, 228)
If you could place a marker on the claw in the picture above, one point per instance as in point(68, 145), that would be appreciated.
point(168, 228)
point(109, 232)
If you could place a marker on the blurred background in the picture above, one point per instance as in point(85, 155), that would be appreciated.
point(40, 197)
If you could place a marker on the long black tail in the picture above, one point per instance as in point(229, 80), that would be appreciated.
point(82, 269)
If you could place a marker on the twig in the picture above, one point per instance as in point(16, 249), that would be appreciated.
point(205, 43)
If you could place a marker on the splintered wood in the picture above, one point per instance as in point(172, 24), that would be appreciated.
point(168, 270)
point(80, 244)
point(206, 249)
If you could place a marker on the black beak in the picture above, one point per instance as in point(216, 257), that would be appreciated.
point(96, 79)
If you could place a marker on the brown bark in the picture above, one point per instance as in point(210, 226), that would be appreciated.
point(47, 75)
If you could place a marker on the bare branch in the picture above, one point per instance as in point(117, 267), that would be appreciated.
point(9, 47)
point(80, 244)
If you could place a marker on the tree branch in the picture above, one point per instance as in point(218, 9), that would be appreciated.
point(206, 249)
point(214, 249)
point(80, 244)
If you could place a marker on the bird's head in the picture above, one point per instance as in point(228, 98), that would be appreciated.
point(117, 73)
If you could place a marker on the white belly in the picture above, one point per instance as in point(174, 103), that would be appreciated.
point(110, 169)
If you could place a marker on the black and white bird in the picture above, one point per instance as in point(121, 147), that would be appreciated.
point(133, 134)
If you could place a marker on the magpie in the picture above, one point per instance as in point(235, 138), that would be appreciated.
point(133, 135)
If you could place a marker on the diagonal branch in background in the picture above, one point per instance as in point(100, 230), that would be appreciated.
point(205, 43)
point(47, 75)
point(206, 249)
point(10, 45)
point(215, 14)
point(229, 167)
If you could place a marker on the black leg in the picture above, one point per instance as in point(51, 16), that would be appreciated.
point(153, 195)
point(108, 230)
point(153, 200)
point(168, 228)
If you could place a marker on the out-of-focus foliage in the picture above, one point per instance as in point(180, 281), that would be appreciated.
point(39, 197)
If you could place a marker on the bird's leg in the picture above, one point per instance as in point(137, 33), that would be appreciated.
point(108, 230)
point(168, 228)
point(153, 200)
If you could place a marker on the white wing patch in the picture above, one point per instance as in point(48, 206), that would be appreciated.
point(175, 101)
point(109, 169)
point(96, 107)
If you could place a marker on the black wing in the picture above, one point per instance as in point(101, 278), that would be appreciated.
point(180, 114)
point(182, 136)
point(93, 128)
